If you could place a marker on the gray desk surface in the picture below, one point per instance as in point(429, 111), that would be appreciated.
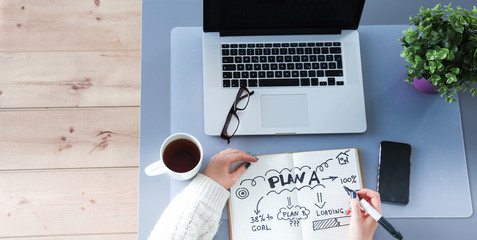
point(395, 111)
point(159, 17)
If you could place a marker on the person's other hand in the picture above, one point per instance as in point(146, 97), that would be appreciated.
point(219, 166)
point(363, 226)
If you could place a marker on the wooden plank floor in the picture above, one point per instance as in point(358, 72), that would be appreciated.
point(69, 119)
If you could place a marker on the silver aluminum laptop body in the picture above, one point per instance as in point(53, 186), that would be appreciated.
point(291, 109)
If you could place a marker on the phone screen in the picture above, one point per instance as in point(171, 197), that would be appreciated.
point(394, 172)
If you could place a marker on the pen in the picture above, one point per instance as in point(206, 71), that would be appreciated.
point(376, 215)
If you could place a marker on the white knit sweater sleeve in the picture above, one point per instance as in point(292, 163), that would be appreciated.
point(194, 213)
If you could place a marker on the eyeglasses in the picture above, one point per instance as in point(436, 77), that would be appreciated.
point(232, 121)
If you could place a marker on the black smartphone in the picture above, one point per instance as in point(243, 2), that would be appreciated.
point(394, 172)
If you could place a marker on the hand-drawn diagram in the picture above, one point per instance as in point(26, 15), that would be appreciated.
point(253, 182)
point(298, 179)
point(319, 198)
point(331, 223)
point(293, 213)
point(343, 157)
point(350, 179)
point(323, 165)
point(310, 188)
point(242, 193)
point(295, 188)
point(290, 170)
point(332, 178)
point(256, 211)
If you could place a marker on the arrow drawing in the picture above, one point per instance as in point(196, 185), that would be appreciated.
point(256, 208)
point(289, 203)
point(320, 207)
point(330, 177)
point(319, 198)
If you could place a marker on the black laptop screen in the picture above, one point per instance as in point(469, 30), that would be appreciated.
point(281, 16)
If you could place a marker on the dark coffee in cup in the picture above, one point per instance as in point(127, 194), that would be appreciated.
point(181, 155)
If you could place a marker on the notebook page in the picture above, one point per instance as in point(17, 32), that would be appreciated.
point(329, 171)
point(263, 201)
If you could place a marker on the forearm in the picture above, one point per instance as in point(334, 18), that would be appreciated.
point(194, 213)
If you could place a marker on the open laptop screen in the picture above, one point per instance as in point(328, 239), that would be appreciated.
point(245, 17)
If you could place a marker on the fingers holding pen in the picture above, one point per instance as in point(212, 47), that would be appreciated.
point(355, 208)
point(372, 197)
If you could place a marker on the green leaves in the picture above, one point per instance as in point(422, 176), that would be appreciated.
point(455, 71)
point(473, 91)
point(451, 56)
point(450, 78)
point(442, 47)
point(440, 66)
point(442, 54)
point(436, 8)
point(439, 54)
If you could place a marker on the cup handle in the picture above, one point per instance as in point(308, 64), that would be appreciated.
point(155, 168)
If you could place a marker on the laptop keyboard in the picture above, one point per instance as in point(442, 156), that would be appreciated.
point(282, 64)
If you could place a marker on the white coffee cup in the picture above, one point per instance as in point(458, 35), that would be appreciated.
point(181, 157)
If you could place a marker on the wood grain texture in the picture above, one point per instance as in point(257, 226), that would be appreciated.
point(41, 203)
point(74, 138)
point(69, 10)
point(69, 117)
point(70, 79)
point(119, 236)
point(70, 25)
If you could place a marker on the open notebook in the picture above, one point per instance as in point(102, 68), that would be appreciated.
point(295, 196)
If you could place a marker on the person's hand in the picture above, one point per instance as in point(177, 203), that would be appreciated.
point(219, 166)
point(363, 226)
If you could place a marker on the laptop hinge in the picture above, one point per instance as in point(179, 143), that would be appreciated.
point(294, 31)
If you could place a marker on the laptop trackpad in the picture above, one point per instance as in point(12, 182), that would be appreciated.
point(284, 110)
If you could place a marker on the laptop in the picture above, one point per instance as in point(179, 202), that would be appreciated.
point(300, 57)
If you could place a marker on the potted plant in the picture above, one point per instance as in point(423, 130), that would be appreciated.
point(442, 49)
